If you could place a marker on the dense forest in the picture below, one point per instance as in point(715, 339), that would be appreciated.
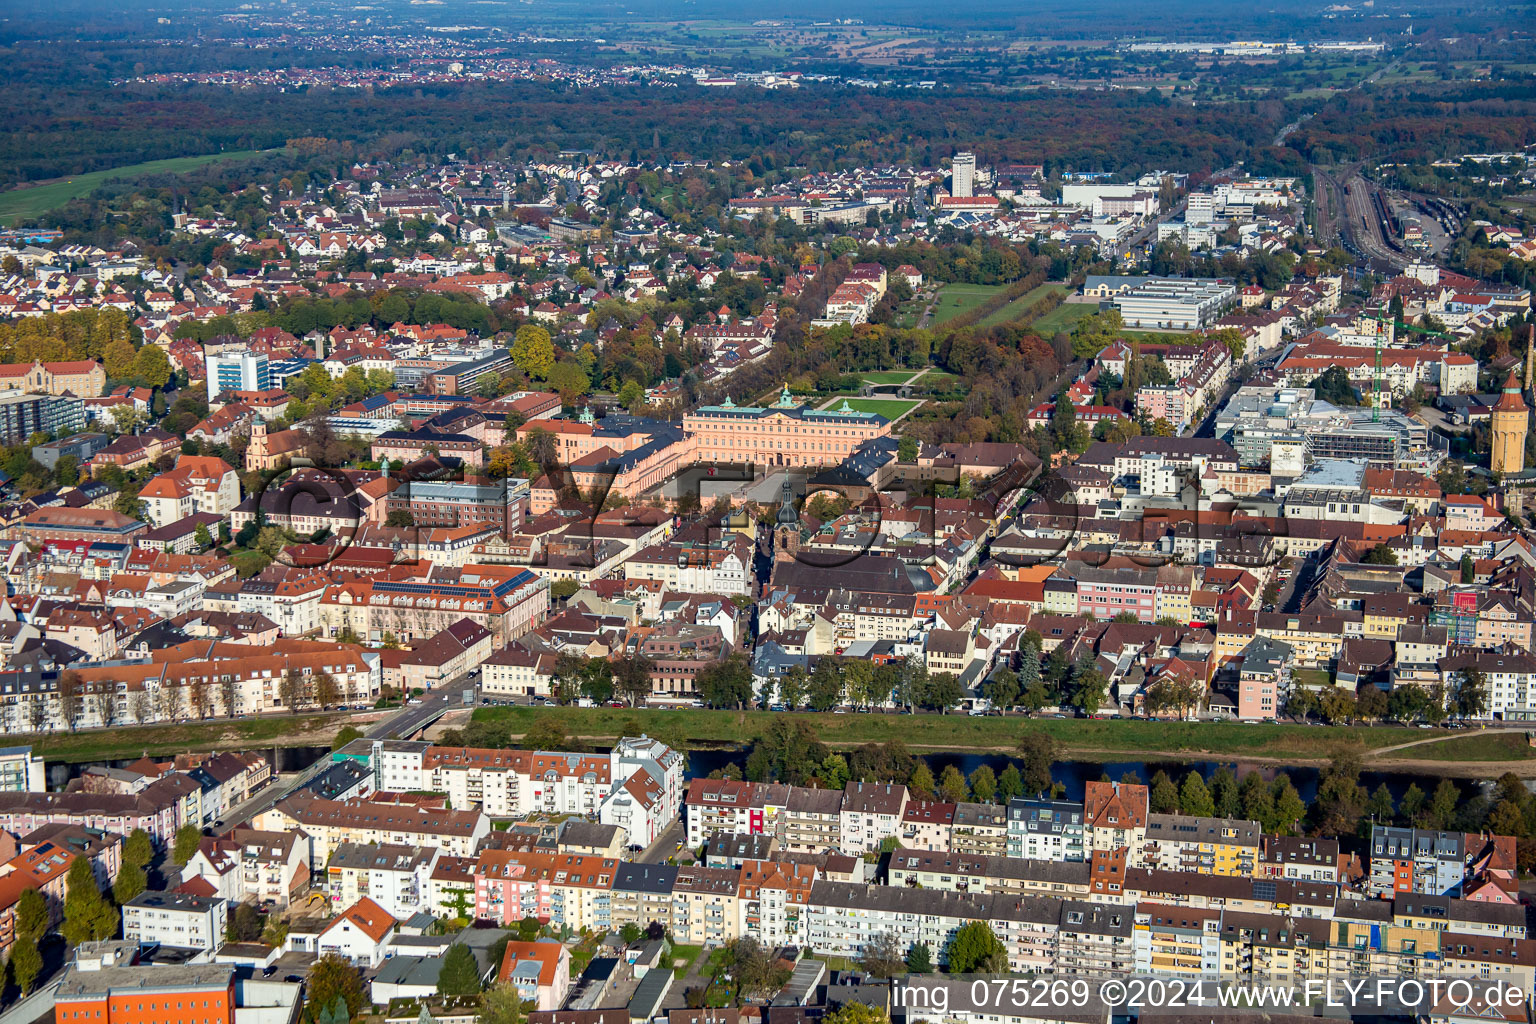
point(55, 131)
point(1422, 122)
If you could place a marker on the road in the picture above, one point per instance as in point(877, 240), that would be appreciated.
point(665, 845)
point(1149, 229)
point(403, 722)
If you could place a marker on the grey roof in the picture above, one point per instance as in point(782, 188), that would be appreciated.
point(652, 878)
point(649, 993)
point(410, 970)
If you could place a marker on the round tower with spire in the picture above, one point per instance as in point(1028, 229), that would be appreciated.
point(1511, 421)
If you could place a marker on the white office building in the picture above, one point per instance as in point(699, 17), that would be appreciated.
point(237, 371)
point(176, 919)
point(21, 772)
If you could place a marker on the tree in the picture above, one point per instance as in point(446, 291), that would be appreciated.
point(944, 692)
point(983, 784)
point(907, 449)
point(1412, 805)
point(976, 948)
point(631, 395)
point(1380, 555)
point(726, 683)
point(401, 519)
point(533, 352)
point(31, 915)
point(26, 964)
point(152, 366)
point(1091, 690)
point(824, 689)
point(1470, 698)
point(501, 1005)
point(330, 978)
point(327, 691)
point(1038, 750)
point(460, 973)
point(88, 916)
point(1002, 689)
point(1340, 803)
point(632, 677)
point(291, 690)
point(1010, 784)
point(1289, 808)
point(920, 959)
point(1224, 793)
point(184, 846)
point(69, 698)
point(346, 734)
point(834, 771)
point(245, 923)
point(952, 785)
point(1370, 702)
point(1380, 807)
point(853, 1012)
point(1468, 569)
point(1506, 819)
point(131, 880)
point(1194, 798)
point(921, 782)
point(882, 956)
point(1164, 797)
point(1444, 804)
point(546, 734)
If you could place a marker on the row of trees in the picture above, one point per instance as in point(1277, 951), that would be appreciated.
point(198, 698)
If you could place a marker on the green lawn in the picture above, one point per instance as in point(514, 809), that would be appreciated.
point(956, 299)
point(1089, 739)
point(135, 741)
point(938, 381)
point(889, 376)
point(890, 408)
point(1016, 308)
point(1064, 317)
point(1476, 746)
point(20, 203)
point(685, 955)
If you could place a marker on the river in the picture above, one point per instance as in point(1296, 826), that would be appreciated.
point(1072, 774)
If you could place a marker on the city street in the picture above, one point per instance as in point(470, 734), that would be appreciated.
point(403, 722)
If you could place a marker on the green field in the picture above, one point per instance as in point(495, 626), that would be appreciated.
point(1063, 318)
point(889, 376)
point(136, 741)
point(890, 408)
point(1504, 746)
point(1086, 739)
point(20, 203)
point(957, 299)
point(1015, 309)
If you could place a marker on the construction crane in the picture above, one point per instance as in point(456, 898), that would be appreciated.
point(1378, 384)
point(1415, 328)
